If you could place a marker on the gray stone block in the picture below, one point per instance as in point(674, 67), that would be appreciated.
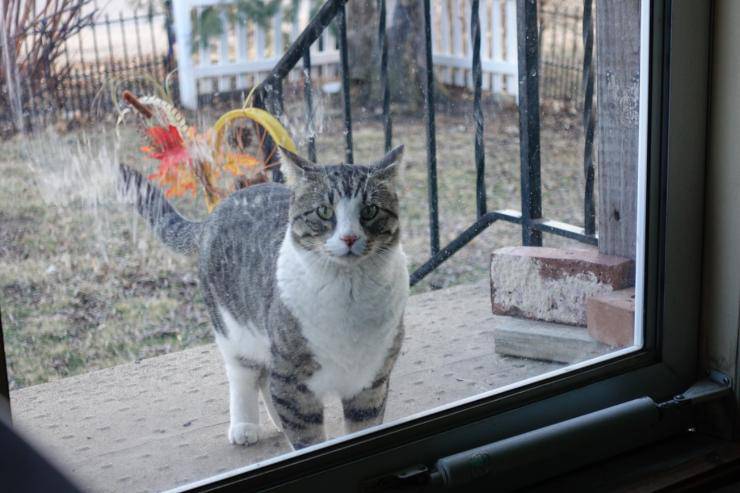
point(546, 341)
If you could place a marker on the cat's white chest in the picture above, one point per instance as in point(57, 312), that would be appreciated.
point(349, 319)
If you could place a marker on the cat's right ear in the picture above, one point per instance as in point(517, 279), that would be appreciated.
point(294, 167)
point(387, 168)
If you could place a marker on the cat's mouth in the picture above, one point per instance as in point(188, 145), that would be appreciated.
point(350, 255)
point(347, 258)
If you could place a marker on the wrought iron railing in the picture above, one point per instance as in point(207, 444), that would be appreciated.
point(270, 95)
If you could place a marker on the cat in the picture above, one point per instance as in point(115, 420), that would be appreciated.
point(306, 285)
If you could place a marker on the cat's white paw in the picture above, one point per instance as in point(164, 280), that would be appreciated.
point(244, 433)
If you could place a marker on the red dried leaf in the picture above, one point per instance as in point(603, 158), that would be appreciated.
point(169, 148)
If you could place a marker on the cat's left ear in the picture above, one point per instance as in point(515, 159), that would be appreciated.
point(295, 167)
point(387, 168)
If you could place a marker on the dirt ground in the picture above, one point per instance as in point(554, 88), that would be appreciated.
point(84, 285)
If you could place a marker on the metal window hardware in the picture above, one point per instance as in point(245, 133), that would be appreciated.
point(715, 386)
point(566, 445)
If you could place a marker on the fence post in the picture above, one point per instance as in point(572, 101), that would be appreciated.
point(529, 120)
point(185, 74)
point(241, 51)
point(444, 39)
point(277, 34)
point(457, 40)
point(485, 43)
point(512, 86)
point(224, 84)
point(497, 45)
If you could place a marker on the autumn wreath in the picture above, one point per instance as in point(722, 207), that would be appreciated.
point(232, 154)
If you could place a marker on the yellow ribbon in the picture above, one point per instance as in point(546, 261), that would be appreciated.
point(272, 126)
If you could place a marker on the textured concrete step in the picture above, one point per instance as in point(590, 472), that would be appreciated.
point(162, 422)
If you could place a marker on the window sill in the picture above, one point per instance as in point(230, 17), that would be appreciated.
point(681, 463)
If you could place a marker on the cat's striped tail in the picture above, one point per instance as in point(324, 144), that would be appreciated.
point(173, 230)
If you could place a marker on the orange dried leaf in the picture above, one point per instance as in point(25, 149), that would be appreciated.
point(238, 164)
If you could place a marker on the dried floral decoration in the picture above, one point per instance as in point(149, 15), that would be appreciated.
point(175, 165)
point(217, 159)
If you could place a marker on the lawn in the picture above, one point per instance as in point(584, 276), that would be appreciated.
point(84, 285)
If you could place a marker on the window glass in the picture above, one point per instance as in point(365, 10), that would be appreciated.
point(180, 297)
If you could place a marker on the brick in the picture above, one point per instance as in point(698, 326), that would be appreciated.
point(610, 318)
point(553, 284)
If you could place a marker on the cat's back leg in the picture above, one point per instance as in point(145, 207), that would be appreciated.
point(269, 403)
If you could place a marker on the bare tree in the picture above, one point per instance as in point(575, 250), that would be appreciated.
point(362, 45)
point(33, 37)
point(406, 56)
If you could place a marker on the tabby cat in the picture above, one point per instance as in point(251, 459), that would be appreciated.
point(306, 285)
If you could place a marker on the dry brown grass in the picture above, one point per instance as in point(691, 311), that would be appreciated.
point(83, 285)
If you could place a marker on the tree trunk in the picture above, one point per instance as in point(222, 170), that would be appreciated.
point(362, 48)
point(406, 53)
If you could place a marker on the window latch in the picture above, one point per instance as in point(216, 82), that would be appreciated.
point(715, 386)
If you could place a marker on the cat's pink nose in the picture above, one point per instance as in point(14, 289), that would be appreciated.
point(349, 239)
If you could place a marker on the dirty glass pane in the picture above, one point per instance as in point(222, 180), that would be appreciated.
point(169, 314)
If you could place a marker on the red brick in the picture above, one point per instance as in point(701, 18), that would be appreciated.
point(552, 284)
point(556, 263)
point(611, 318)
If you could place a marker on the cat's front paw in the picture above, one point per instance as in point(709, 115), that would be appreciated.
point(244, 433)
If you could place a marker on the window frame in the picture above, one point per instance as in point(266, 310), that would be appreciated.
point(668, 362)
point(678, 88)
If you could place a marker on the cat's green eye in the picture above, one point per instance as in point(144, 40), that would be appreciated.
point(368, 212)
point(325, 212)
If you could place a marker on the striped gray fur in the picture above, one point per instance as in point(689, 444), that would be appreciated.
point(171, 228)
point(268, 324)
point(367, 408)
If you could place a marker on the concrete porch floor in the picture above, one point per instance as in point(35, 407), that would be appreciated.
point(161, 422)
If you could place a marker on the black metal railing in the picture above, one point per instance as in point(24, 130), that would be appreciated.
point(530, 218)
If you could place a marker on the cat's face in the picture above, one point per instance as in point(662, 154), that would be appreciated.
point(344, 212)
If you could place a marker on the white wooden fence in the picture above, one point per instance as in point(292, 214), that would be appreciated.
point(245, 53)
point(452, 52)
